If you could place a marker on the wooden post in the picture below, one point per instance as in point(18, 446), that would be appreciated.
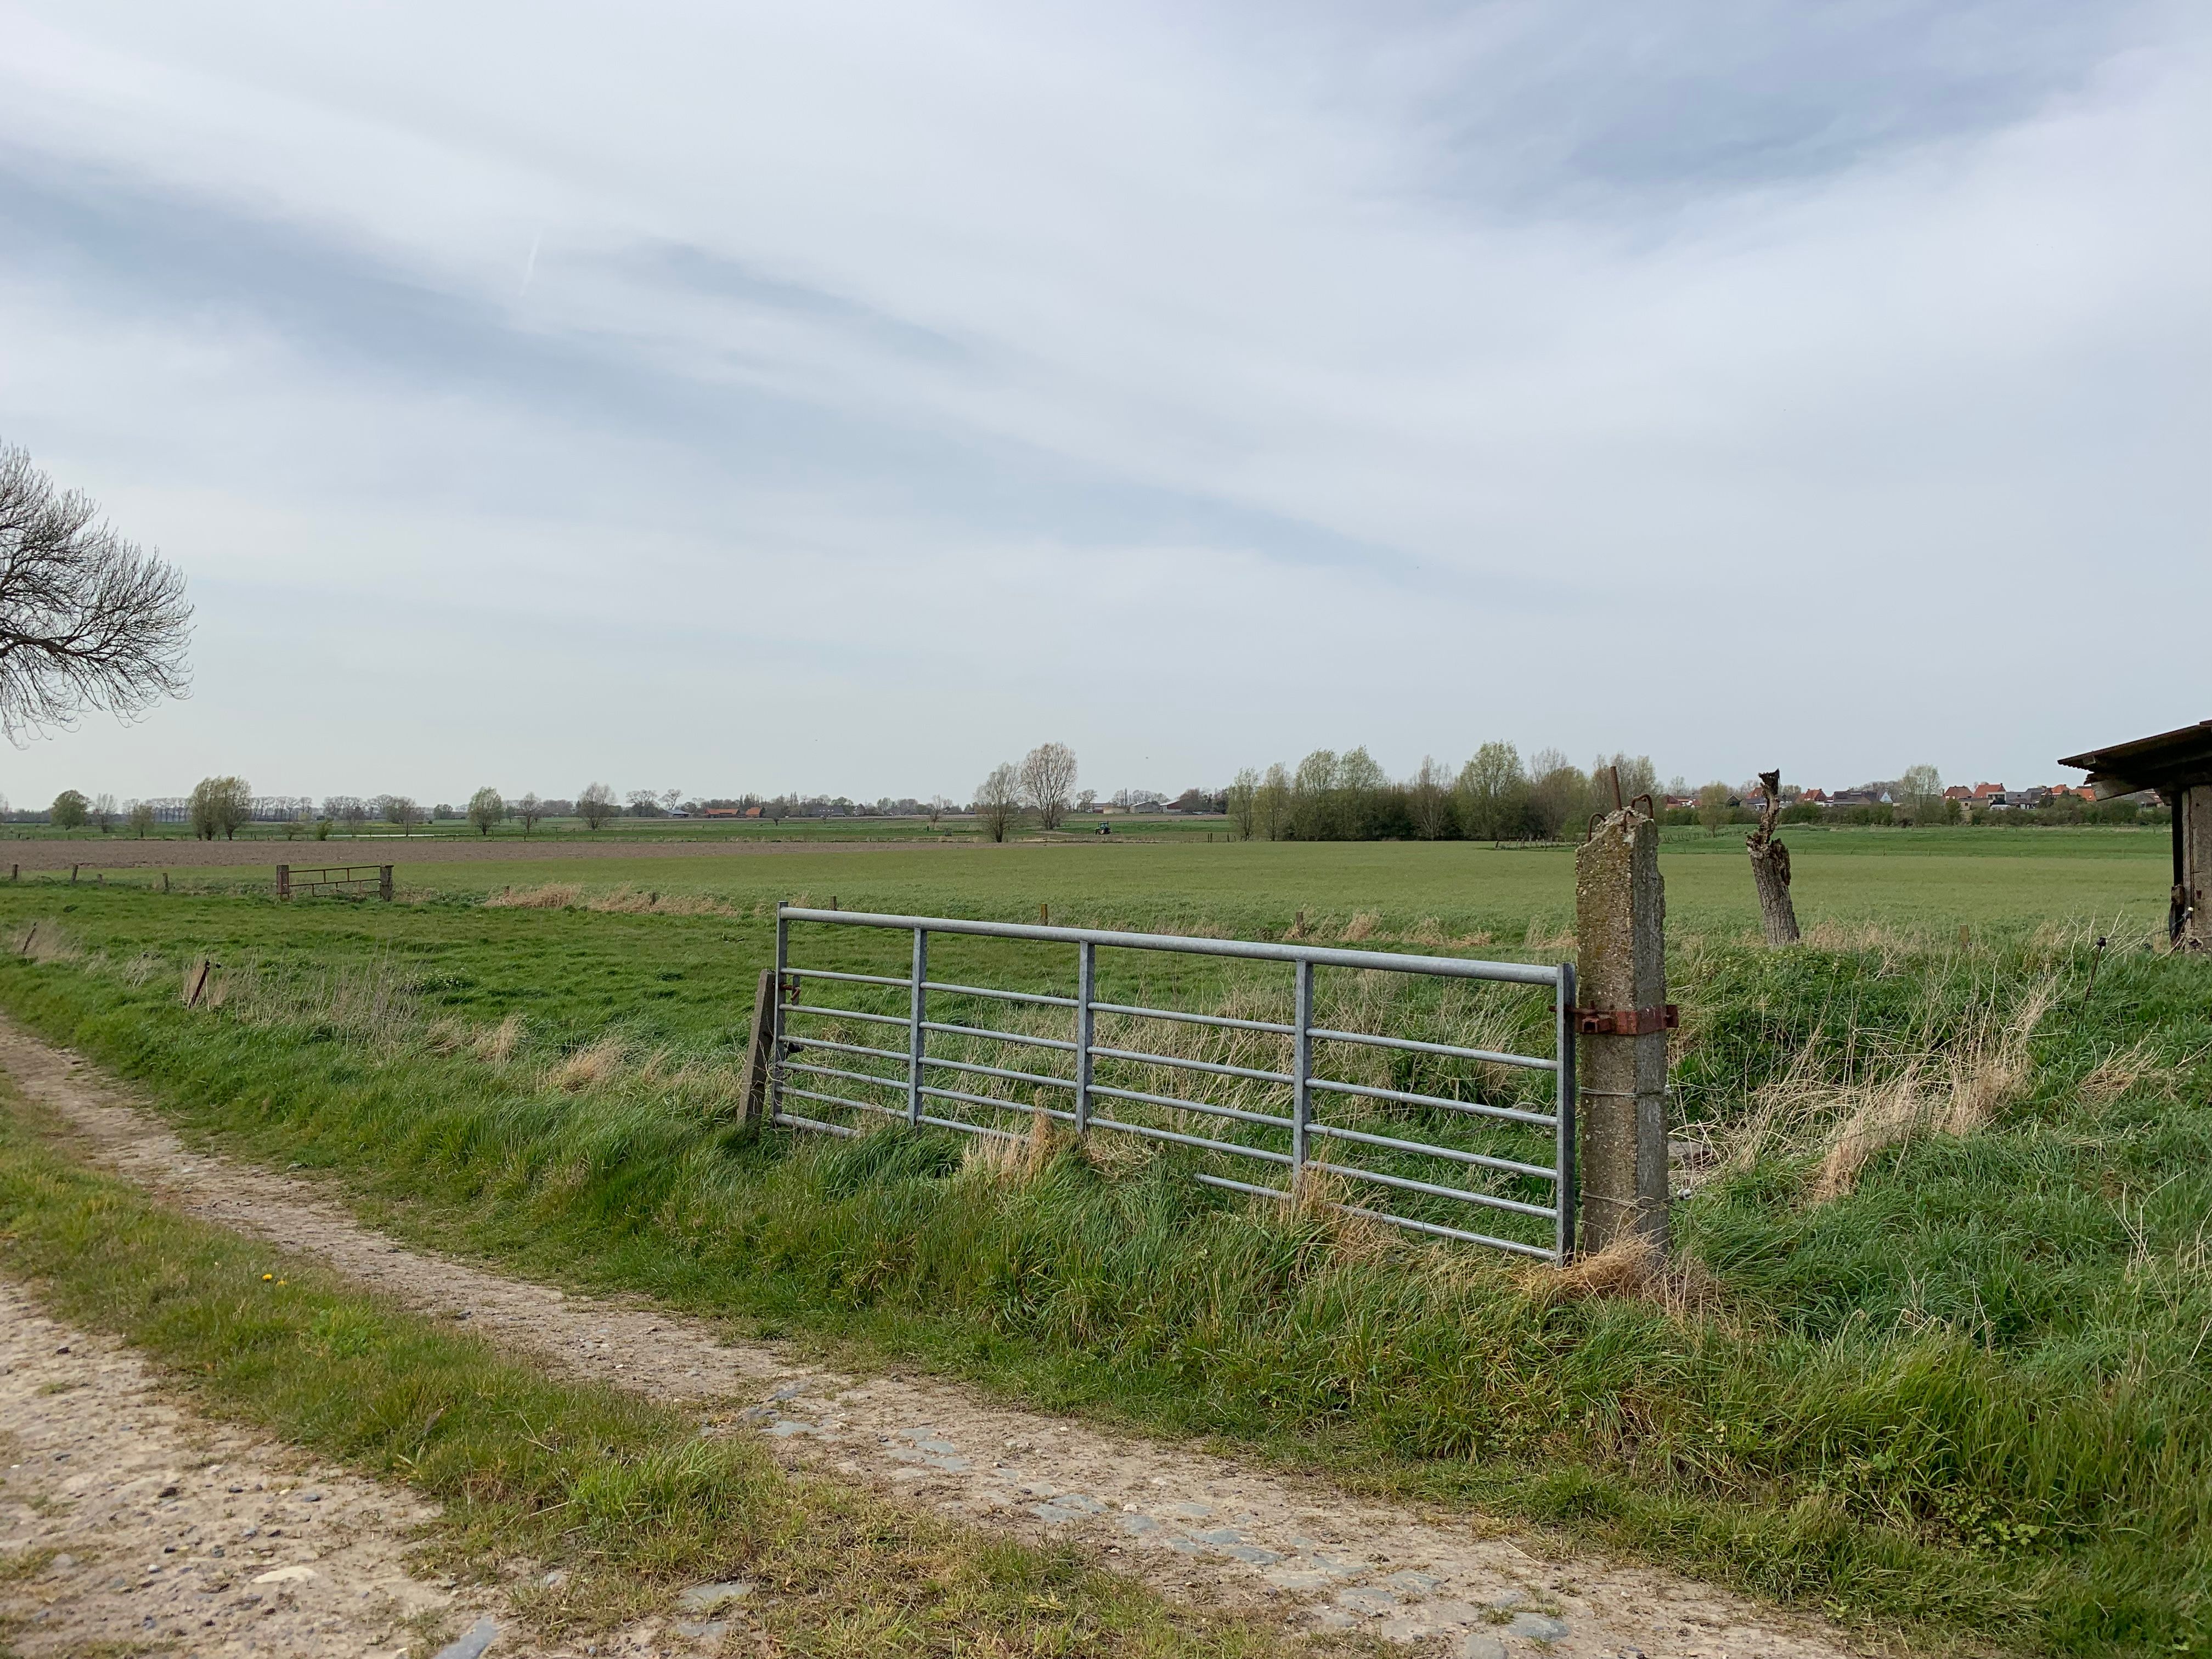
point(72, 875)
point(2192, 848)
point(165, 881)
point(760, 1052)
point(197, 983)
point(1621, 1024)
point(283, 881)
point(1770, 866)
point(384, 881)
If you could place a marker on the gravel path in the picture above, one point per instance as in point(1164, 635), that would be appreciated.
point(137, 1525)
point(1199, 1527)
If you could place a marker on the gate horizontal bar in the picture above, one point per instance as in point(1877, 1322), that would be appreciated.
point(995, 1037)
point(1191, 1064)
point(843, 1013)
point(1418, 1048)
point(1407, 1183)
point(1541, 1120)
point(892, 1054)
point(793, 1120)
point(1430, 1149)
point(1230, 1146)
point(1195, 1019)
point(856, 979)
point(1175, 1104)
point(998, 1071)
point(840, 1100)
point(1241, 1186)
point(1516, 972)
point(1539, 1251)
point(985, 991)
point(997, 1103)
point(850, 1077)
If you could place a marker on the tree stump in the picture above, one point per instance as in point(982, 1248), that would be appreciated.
point(1770, 866)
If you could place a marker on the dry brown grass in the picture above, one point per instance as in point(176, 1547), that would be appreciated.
point(1630, 1269)
point(373, 1001)
point(548, 895)
point(45, 940)
point(596, 1066)
point(1949, 1091)
point(1015, 1160)
point(1541, 936)
point(1361, 926)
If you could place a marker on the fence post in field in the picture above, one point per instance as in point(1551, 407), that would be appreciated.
point(384, 881)
point(1620, 1028)
point(753, 1091)
point(283, 881)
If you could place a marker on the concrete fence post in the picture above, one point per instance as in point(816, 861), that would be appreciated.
point(1621, 1024)
point(283, 881)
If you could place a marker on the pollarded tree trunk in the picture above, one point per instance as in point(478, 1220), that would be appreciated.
point(1770, 866)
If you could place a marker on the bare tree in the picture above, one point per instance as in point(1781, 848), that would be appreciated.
point(595, 805)
point(87, 619)
point(1047, 777)
point(529, 810)
point(102, 811)
point(670, 800)
point(401, 812)
point(1426, 801)
point(69, 810)
point(999, 800)
point(1770, 866)
point(487, 808)
point(140, 818)
point(219, 805)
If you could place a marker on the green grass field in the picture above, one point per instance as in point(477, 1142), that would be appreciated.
point(1930, 1358)
point(1928, 882)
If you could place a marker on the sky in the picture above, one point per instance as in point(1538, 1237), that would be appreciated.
point(847, 398)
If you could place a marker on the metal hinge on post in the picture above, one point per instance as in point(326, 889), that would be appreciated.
point(1626, 1022)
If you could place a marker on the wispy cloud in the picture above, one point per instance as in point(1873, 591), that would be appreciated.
point(1407, 376)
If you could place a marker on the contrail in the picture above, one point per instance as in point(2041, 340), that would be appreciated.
point(529, 265)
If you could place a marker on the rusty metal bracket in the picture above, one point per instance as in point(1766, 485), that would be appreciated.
point(1626, 1022)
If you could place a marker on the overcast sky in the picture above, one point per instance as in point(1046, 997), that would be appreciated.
point(847, 398)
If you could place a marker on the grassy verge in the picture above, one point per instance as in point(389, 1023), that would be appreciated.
point(625, 1494)
point(1930, 1358)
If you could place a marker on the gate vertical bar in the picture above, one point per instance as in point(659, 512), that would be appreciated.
point(775, 1054)
point(1563, 1236)
point(1086, 989)
point(1301, 1072)
point(916, 1038)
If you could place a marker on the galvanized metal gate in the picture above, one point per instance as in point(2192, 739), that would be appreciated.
point(1366, 1135)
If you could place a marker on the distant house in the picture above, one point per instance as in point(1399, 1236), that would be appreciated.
point(728, 812)
point(1991, 794)
point(1814, 797)
point(1958, 791)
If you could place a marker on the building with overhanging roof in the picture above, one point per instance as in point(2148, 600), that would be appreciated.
point(2178, 765)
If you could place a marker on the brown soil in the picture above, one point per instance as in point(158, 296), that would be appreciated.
point(121, 853)
point(1199, 1526)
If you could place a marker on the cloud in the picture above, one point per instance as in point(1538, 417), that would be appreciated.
point(1736, 384)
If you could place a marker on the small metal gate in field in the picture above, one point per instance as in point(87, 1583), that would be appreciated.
point(335, 881)
point(1445, 1132)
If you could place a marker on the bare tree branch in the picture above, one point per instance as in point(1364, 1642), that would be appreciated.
point(87, 619)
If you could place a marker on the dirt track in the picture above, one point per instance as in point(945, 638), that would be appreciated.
point(1201, 1527)
point(121, 853)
